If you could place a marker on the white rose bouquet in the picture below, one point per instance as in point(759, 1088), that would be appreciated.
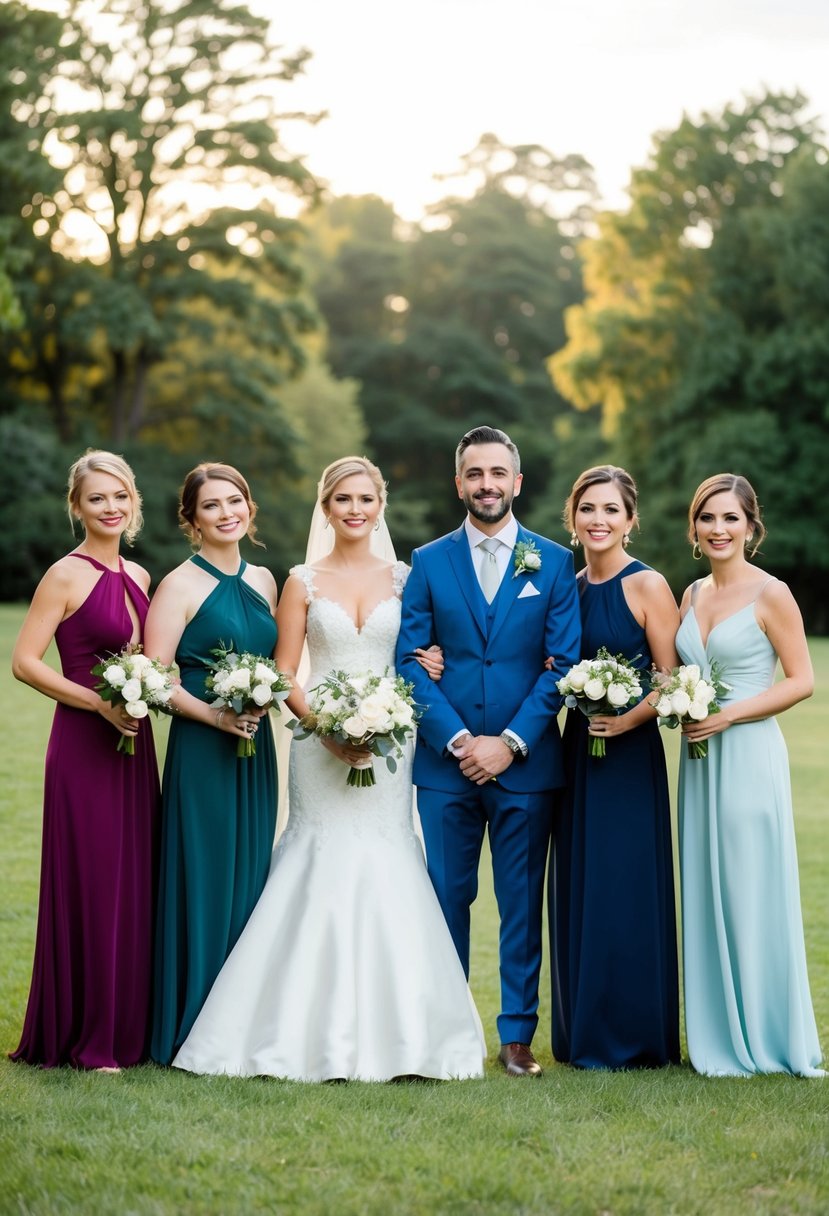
point(136, 682)
point(603, 685)
point(377, 712)
point(244, 681)
point(683, 696)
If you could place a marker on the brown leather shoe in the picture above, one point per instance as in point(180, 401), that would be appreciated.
point(519, 1061)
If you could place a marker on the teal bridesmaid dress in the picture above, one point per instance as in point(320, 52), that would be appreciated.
point(748, 1008)
point(218, 819)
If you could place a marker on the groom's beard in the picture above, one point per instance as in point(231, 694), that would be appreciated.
point(488, 514)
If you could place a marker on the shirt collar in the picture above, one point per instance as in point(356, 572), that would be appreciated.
point(507, 536)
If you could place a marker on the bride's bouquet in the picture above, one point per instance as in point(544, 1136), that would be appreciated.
point(245, 681)
point(603, 685)
point(377, 712)
point(683, 696)
point(136, 682)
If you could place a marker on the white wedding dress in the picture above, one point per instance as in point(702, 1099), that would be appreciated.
point(346, 968)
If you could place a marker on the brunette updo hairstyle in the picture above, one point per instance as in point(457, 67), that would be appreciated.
point(189, 496)
point(602, 474)
point(349, 466)
point(96, 461)
point(728, 483)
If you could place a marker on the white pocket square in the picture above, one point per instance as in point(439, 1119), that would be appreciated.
point(528, 589)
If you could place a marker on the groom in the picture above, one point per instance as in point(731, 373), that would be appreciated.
point(499, 600)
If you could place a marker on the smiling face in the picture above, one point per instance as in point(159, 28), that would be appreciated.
point(222, 513)
point(723, 529)
point(103, 504)
point(601, 519)
point(353, 506)
point(487, 483)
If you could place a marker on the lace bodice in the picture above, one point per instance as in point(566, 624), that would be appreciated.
point(320, 801)
point(335, 642)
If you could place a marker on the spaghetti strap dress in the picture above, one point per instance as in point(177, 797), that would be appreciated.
point(611, 895)
point(89, 1001)
point(748, 1008)
point(218, 817)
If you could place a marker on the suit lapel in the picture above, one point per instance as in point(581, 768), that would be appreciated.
point(461, 561)
point(509, 591)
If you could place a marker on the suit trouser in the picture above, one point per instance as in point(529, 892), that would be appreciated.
point(519, 837)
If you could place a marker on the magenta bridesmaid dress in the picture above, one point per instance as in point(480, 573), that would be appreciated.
point(89, 1001)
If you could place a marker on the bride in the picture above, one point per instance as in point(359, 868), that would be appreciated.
point(346, 968)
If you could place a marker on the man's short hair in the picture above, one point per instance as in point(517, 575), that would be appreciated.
point(486, 434)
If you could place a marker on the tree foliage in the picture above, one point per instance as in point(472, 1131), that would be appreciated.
point(448, 326)
point(173, 108)
point(153, 298)
point(705, 333)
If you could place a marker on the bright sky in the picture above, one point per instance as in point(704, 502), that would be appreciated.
point(411, 87)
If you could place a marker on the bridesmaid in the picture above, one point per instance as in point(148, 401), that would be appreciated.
point(611, 894)
point(748, 1008)
point(218, 812)
point(90, 993)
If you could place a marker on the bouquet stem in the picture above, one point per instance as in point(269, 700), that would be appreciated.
point(126, 744)
point(698, 750)
point(597, 746)
point(245, 748)
point(362, 778)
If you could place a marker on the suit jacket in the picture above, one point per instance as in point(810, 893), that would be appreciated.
point(494, 678)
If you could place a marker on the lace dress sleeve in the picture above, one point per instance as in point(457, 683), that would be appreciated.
point(399, 574)
point(306, 574)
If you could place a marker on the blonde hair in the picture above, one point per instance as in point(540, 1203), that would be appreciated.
point(349, 466)
point(189, 498)
point(742, 489)
point(96, 461)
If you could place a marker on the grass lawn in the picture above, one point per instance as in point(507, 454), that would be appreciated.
point(153, 1141)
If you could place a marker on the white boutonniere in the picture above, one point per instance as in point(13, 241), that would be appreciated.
point(527, 558)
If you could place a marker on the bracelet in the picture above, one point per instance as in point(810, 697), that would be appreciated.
point(220, 713)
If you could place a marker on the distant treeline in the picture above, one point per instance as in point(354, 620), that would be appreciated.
point(155, 298)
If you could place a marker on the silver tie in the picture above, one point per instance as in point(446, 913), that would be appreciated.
point(490, 574)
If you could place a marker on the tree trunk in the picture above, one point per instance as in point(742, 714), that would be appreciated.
point(139, 393)
point(53, 376)
point(119, 397)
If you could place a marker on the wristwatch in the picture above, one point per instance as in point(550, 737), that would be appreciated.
point(513, 744)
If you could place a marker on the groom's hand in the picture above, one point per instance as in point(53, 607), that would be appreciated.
point(483, 757)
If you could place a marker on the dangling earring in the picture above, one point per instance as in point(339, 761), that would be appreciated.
point(626, 539)
point(574, 540)
point(377, 525)
point(327, 521)
point(696, 552)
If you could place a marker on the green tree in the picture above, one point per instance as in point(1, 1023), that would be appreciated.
point(704, 335)
point(449, 325)
point(158, 284)
point(175, 111)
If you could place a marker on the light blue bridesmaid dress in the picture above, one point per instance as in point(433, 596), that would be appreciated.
point(747, 1003)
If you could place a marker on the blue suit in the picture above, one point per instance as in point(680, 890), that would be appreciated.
point(494, 679)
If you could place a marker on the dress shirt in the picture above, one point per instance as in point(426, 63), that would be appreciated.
point(508, 537)
point(503, 556)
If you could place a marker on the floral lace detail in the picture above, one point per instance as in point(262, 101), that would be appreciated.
point(320, 801)
point(399, 574)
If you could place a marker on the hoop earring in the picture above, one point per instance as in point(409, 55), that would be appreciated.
point(696, 552)
point(574, 540)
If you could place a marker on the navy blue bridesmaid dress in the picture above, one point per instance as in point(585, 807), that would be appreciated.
point(611, 888)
